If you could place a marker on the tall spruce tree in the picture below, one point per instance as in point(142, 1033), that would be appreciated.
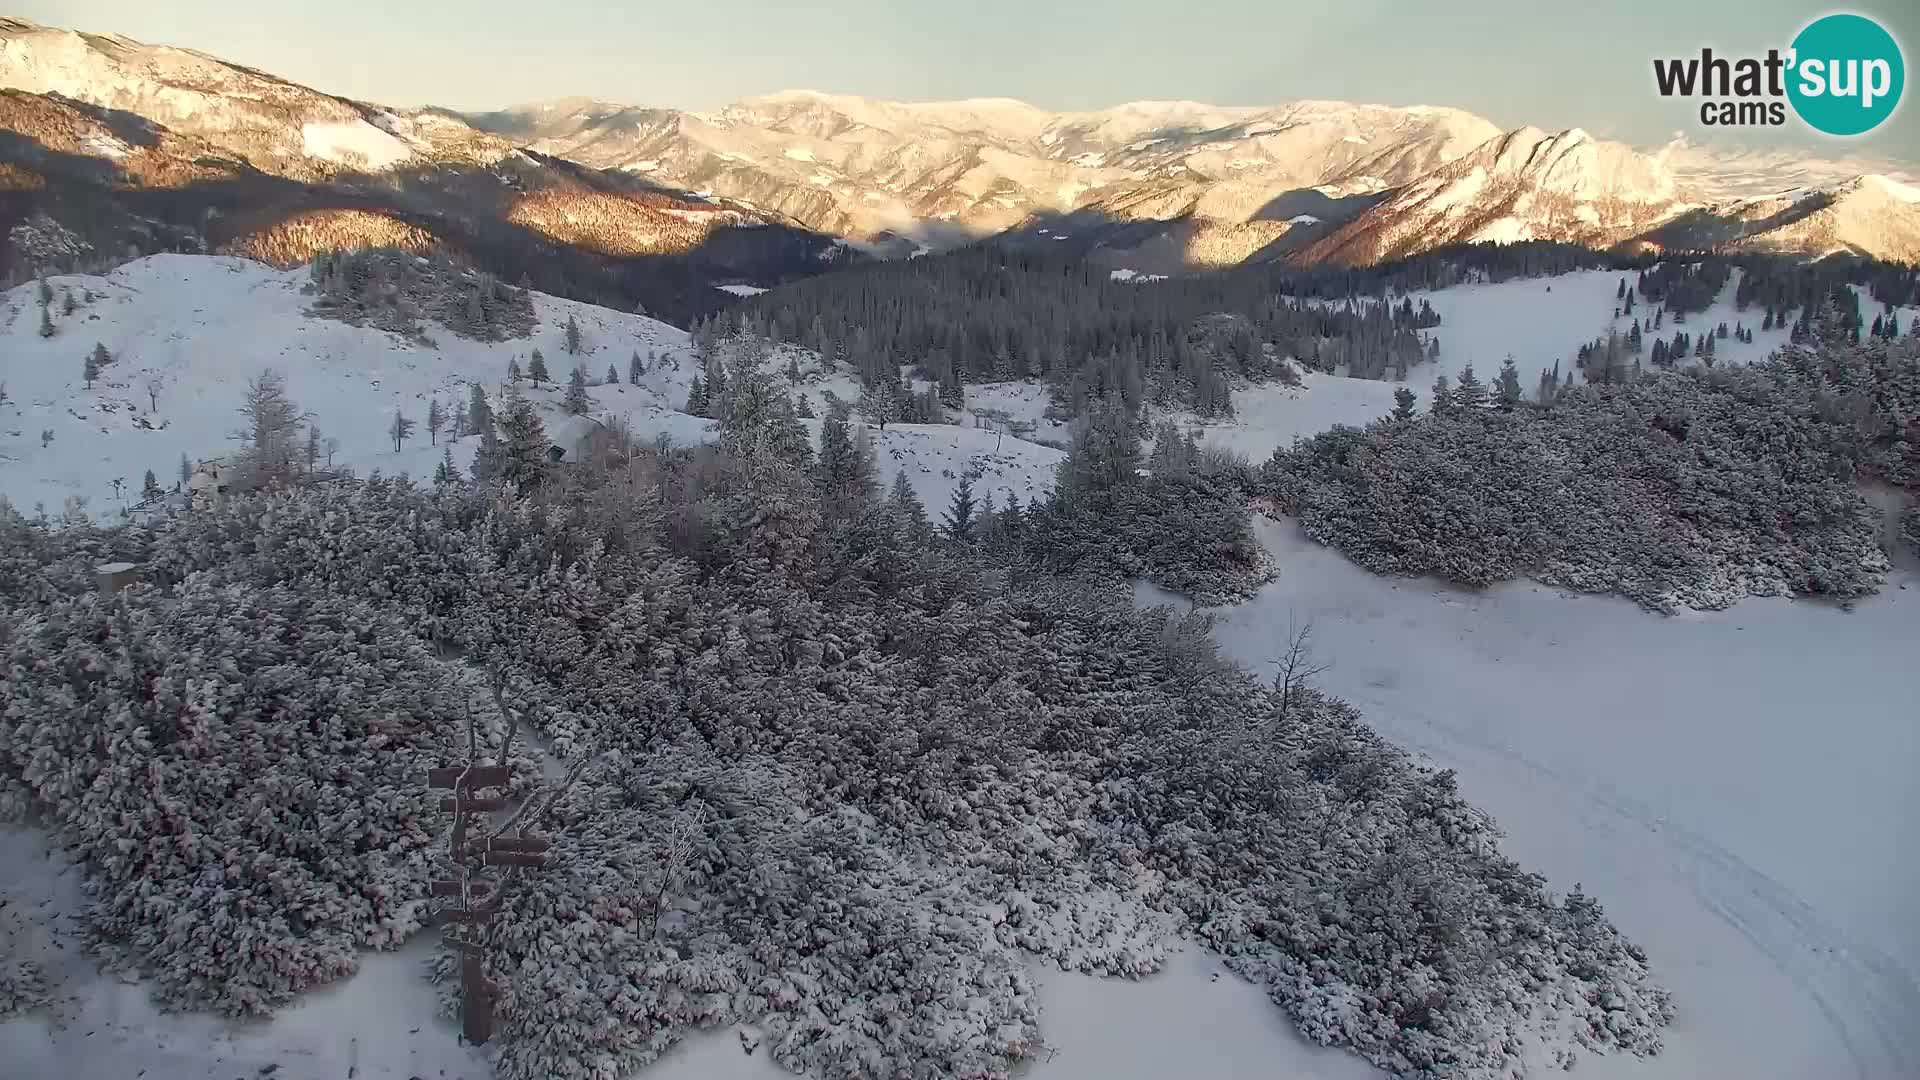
point(479, 413)
point(1507, 387)
point(1471, 393)
point(1404, 401)
point(958, 522)
point(576, 402)
point(523, 444)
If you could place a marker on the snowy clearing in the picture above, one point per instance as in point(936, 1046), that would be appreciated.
point(1194, 1017)
point(201, 326)
point(176, 319)
point(1695, 796)
point(356, 143)
point(741, 290)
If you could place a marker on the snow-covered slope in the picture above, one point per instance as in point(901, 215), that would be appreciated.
point(1872, 215)
point(118, 148)
point(862, 167)
point(1524, 185)
point(1671, 766)
point(198, 327)
point(1539, 322)
point(275, 125)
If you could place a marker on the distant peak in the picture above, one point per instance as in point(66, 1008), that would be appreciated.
point(1890, 187)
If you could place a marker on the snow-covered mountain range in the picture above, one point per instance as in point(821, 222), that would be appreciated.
point(1207, 185)
point(111, 148)
point(1153, 186)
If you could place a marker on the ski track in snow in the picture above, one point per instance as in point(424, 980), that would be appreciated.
point(1862, 993)
point(1784, 947)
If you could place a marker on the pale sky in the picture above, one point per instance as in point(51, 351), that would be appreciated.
point(1515, 62)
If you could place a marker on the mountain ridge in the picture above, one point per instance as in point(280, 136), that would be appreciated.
point(1154, 186)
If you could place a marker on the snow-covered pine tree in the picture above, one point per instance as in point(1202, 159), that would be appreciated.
point(400, 429)
point(907, 509)
point(537, 367)
point(479, 413)
point(447, 473)
point(1405, 403)
point(613, 376)
point(523, 444)
point(958, 521)
point(573, 338)
point(635, 368)
point(272, 424)
point(436, 420)
point(1471, 393)
point(1507, 386)
point(489, 458)
point(576, 403)
point(756, 416)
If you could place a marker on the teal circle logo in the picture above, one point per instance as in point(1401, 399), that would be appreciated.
point(1847, 74)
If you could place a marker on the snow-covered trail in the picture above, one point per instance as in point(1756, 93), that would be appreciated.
point(1736, 787)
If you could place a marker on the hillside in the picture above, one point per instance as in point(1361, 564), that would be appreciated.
point(111, 147)
point(1874, 216)
point(197, 328)
point(1524, 185)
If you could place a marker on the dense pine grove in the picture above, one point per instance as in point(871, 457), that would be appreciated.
point(393, 289)
point(842, 776)
point(1692, 489)
point(984, 314)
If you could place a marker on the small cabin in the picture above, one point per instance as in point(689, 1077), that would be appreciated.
point(574, 439)
point(115, 576)
point(211, 481)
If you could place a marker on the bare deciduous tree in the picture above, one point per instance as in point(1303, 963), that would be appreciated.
point(1296, 668)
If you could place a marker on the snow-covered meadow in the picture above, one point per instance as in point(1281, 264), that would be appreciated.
point(197, 328)
point(1737, 785)
point(1539, 322)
